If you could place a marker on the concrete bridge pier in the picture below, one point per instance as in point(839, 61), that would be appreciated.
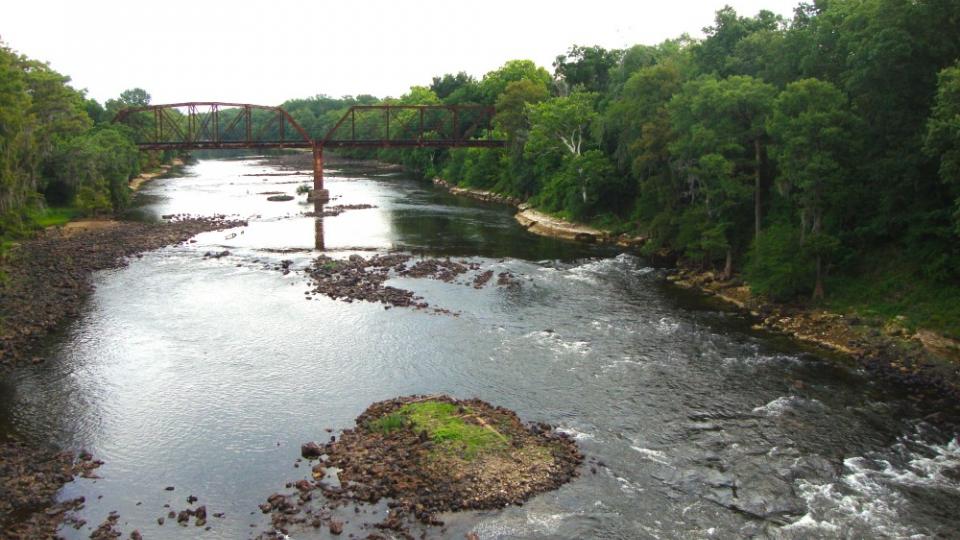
point(319, 194)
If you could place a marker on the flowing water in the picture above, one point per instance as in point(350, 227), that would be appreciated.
point(207, 374)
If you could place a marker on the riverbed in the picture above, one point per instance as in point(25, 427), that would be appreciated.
point(205, 374)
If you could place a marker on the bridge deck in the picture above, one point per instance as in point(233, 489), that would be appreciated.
point(365, 143)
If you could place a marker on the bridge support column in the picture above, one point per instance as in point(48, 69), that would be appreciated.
point(319, 194)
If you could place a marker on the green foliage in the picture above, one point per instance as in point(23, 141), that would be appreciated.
point(942, 138)
point(582, 188)
point(812, 128)
point(495, 82)
point(512, 109)
point(586, 68)
point(97, 164)
point(561, 127)
point(778, 266)
point(890, 285)
point(16, 144)
point(448, 85)
point(51, 151)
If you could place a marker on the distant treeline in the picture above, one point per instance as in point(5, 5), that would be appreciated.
point(823, 145)
point(817, 154)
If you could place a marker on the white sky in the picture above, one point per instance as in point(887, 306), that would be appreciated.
point(266, 52)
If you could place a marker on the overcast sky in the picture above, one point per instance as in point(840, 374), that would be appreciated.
point(267, 52)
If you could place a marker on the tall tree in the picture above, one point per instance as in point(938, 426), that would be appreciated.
point(586, 68)
point(495, 82)
point(16, 142)
point(942, 140)
point(811, 127)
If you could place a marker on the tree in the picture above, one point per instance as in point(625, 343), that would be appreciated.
point(748, 101)
point(16, 141)
point(133, 97)
point(561, 125)
point(586, 68)
point(720, 133)
point(942, 140)
point(512, 108)
point(638, 121)
point(717, 54)
point(448, 84)
point(811, 127)
point(60, 112)
point(495, 82)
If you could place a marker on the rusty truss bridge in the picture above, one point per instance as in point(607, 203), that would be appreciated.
point(215, 125)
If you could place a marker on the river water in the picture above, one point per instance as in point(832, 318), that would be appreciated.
point(207, 374)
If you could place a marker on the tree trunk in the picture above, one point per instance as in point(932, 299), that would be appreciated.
point(728, 266)
point(818, 287)
point(758, 191)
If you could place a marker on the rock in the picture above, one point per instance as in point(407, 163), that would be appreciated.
point(336, 527)
point(311, 450)
point(372, 465)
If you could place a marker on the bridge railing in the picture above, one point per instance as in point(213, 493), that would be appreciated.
point(212, 125)
point(203, 125)
point(412, 125)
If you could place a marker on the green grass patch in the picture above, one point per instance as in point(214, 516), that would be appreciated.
point(447, 425)
point(895, 287)
point(388, 423)
point(55, 216)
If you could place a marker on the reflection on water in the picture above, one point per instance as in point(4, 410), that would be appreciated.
point(207, 374)
point(318, 243)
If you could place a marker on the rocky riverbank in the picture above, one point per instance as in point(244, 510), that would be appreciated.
point(45, 280)
point(544, 224)
point(923, 362)
point(426, 455)
point(479, 194)
point(29, 481)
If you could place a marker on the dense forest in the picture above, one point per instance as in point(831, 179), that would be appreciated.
point(816, 156)
point(59, 154)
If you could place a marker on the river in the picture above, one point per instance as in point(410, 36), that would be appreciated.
point(206, 374)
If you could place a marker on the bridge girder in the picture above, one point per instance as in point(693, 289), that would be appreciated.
point(215, 125)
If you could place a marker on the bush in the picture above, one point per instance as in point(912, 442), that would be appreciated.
point(778, 266)
point(92, 201)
